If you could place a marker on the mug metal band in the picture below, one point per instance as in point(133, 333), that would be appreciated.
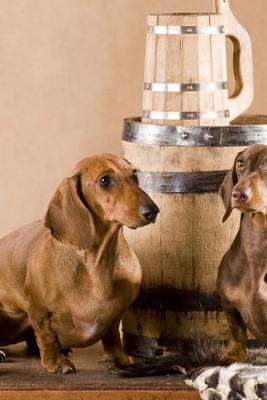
point(185, 115)
point(181, 182)
point(185, 30)
point(185, 87)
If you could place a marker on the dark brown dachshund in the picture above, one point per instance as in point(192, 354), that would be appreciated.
point(70, 277)
point(242, 277)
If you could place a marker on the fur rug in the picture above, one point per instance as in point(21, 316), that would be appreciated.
point(199, 361)
point(236, 382)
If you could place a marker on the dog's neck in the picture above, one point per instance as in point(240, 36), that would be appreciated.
point(253, 239)
point(101, 257)
point(252, 242)
point(254, 224)
point(103, 243)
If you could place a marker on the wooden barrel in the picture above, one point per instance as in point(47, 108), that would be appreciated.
point(182, 168)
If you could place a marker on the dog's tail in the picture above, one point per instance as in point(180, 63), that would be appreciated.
point(177, 363)
point(187, 355)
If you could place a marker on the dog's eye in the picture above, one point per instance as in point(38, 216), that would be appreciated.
point(240, 163)
point(105, 180)
point(135, 175)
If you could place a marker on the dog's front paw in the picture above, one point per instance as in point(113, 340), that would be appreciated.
point(123, 360)
point(59, 365)
point(232, 357)
point(119, 358)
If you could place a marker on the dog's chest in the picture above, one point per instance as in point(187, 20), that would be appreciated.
point(88, 310)
point(84, 326)
point(90, 297)
point(250, 298)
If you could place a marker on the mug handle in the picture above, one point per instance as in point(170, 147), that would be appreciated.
point(243, 95)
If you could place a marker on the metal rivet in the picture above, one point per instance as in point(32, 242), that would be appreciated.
point(208, 136)
point(147, 114)
point(227, 114)
point(188, 30)
point(189, 87)
point(185, 135)
point(147, 86)
point(190, 115)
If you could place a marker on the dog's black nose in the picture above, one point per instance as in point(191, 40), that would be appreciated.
point(149, 211)
point(240, 197)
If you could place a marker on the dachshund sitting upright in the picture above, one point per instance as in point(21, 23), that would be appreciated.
point(70, 277)
point(242, 277)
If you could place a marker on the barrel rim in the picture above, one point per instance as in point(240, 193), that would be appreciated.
point(135, 131)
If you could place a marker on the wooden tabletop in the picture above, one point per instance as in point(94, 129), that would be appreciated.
point(22, 377)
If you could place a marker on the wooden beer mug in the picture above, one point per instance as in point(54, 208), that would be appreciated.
point(186, 69)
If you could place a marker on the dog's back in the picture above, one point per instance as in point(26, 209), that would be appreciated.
point(14, 253)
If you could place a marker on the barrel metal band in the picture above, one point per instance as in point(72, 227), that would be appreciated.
point(185, 87)
point(185, 115)
point(185, 30)
point(181, 182)
point(197, 136)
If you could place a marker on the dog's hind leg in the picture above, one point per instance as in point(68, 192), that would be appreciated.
point(236, 350)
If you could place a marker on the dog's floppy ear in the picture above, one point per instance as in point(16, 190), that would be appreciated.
point(68, 217)
point(226, 188)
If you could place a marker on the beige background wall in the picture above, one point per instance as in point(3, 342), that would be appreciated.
point(70, 71)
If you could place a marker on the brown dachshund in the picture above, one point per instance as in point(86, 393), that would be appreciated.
point(242, 277)
point(70, 277)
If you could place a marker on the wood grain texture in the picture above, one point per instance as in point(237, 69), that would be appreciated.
point(189, 68)
point(219, 69)
point(155, 158)
point(205, 99)
point(174, 68)
point(159, 99)
point(151, 43)
point(186, 256)
point(181, 252)
point(98, 395)
point(22, 374)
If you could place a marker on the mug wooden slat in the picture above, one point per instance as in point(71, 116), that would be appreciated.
point(174, 68)
point(189, 68)
point(159, 98)
point(204, 70)
point(219, 69)
point(150, 63)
